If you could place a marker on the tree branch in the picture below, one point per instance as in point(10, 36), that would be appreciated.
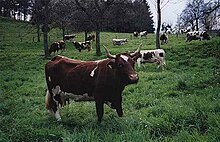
point(84, 10)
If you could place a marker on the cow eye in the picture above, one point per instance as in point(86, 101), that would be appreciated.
point(120, 65)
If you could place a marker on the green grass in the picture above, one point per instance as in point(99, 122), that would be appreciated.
point(178, 104)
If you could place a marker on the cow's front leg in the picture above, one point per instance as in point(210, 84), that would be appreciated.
point(99, 110)
point(119, 107)
point(119, 111)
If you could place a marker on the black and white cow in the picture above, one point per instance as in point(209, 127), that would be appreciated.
point(164, 38)
point(152, 56)
point(136, 34)
point(119, 41)
point(143, 34)
point(197, 35)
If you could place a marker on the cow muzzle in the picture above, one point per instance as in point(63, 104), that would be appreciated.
point(133, 78)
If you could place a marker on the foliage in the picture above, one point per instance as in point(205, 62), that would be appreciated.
point(180, 103)
point(15, 8)
point(199, 13)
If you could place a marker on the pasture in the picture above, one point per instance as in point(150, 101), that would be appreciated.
point(181, 103)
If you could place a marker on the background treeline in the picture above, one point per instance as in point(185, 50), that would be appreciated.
point(200, 14)
point(82, 15)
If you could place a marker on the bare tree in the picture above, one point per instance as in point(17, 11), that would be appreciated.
point(95, 10)
point(61, 14)
point(158, 25)
point(45, 28)
point(159, 4)
point(197, 12)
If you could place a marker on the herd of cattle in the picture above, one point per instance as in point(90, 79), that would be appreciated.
point(101, 81)
point(56, 46)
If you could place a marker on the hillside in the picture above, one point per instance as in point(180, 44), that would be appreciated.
point(180, 103)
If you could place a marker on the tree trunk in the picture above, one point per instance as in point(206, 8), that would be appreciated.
point(98, 51)
point(63, 31)
point(158, 25)
point(46, 54)
point(86, 34)
point(197, 24)
point(38, 32)
point(45, 30)
point(25, 13)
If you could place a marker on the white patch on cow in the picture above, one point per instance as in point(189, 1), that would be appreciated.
point(93, 72)
point(47, 98)
point(97, 61)
point(57, 115)
point(49, 78)
point(124, 57)
point(110, 66)
point(56, 90)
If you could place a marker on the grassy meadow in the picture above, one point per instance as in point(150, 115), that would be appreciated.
point(181, 103)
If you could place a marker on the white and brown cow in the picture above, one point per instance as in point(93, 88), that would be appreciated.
point(102, 81)
point(152, 56)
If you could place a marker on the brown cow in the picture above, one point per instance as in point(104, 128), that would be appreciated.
point(101, 81)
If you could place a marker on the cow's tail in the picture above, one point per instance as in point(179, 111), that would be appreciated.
point(48, 100)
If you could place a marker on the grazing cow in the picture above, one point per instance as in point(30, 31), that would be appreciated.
point(91, 38)
point(205, 36)
point(135, 34)
point(152, 56)
point(102, 81)
point(82, 45)
point(143, 34)
point(62, 45)
point(119, 41)
point(56, 46)
point(164, 38)
point(197, 35)
point(190, 37)
point(68, 37)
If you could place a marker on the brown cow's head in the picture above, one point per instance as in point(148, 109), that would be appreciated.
point(124, 64)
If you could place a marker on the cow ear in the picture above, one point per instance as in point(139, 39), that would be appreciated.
point(111, 65)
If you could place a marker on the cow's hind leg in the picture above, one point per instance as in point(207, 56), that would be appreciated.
point(52, 106)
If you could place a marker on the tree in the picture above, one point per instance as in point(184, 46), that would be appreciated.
point(15, 8)
point(159, 4)
point(158, 25)
point(45, 28)
point(62, 14)
point(95, 10)
point(37, 16)
point(210, 14)
point(198, 12)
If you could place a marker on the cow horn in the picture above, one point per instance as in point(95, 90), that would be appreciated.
point(138, 50)
point(108, 53)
